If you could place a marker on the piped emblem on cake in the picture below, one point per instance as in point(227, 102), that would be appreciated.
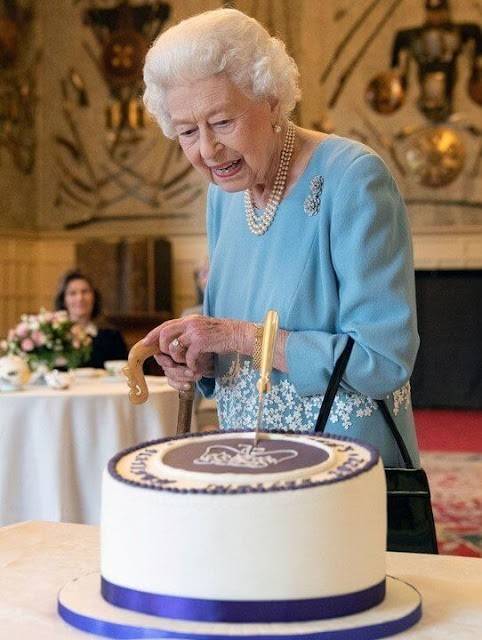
point(243, 456)
point(220, 463)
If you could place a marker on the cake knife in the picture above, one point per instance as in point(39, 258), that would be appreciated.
point(270, 332)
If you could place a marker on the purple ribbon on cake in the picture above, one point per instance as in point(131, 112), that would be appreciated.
point(248, 611)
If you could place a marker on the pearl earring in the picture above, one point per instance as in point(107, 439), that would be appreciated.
point(277, 128)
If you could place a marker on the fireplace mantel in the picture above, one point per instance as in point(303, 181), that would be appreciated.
point(451, 249)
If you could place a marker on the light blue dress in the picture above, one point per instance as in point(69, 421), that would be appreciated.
point(342, 268)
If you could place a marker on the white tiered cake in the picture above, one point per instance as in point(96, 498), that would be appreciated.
point(210, 517)
point(207, 534)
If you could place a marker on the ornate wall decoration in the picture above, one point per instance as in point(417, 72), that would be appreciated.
point(422, 113)
point(436, 155)
point(17, 85)
point(435, 47)
point(135, 174)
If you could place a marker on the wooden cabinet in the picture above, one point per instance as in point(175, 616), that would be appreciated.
point(133, 275)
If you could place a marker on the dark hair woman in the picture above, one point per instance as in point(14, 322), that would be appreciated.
point(78, 296)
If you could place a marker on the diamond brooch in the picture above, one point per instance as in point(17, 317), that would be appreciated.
point(312, 201)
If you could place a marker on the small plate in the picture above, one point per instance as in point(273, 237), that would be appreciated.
point(88, 372)
point(108, 378)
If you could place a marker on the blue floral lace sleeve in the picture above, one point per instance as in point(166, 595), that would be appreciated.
point(284, 408)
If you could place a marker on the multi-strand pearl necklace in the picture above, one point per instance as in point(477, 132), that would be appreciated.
point(260, 224)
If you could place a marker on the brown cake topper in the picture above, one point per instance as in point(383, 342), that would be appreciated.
point(134, 373)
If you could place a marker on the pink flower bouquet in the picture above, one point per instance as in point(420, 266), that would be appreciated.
point(49, 339)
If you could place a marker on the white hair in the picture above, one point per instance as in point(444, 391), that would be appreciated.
point(222, 40)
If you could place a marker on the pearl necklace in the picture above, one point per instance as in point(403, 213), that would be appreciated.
point(259, 225)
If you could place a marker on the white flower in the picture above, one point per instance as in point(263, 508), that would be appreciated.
point(284, 409)
point(401, 397)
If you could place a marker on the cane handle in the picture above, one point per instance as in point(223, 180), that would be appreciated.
point(133, 371)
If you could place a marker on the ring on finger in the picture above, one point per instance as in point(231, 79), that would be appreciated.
point(177, 344)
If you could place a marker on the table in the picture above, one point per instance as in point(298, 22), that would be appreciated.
point(55, 444)
point(38, 558)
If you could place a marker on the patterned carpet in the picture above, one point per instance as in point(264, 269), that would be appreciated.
point(456, 487)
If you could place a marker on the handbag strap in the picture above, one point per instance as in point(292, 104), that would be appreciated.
point(330, 394)
point(382, 405)
point(333, 384)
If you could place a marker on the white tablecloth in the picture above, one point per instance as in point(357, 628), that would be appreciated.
point(55, 444)
point(38, 558)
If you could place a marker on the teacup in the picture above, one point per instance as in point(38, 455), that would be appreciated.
point(14, 373)
point(114, 367)
point(58, 379)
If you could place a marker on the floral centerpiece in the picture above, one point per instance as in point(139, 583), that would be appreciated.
point(49, 339)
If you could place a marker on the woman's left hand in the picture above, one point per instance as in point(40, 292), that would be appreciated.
point(179, 376)
point(187, 339)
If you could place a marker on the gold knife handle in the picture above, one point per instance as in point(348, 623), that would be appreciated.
point(270, 333)
point(134, 373)
point(186, 399)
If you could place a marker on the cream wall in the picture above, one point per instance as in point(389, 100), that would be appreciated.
point(17, 200)
point(29, 269)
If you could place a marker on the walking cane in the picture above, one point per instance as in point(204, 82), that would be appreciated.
point(138, 387)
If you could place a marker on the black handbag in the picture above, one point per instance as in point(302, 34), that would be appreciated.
point(410, 523)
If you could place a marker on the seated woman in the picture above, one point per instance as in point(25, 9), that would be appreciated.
point(78, 296)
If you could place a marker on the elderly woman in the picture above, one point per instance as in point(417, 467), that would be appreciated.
point(306, 223)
